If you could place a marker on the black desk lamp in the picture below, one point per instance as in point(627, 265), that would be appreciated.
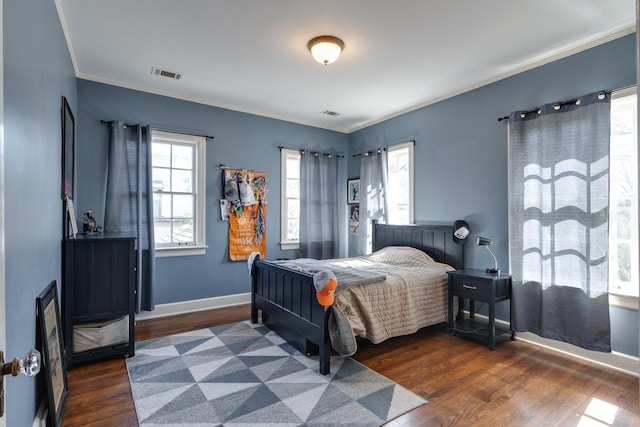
point(483, 241)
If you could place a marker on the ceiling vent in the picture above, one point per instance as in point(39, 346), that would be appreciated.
point(330, 113)
point(164, 73)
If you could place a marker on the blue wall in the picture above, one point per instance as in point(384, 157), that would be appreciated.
point(37, 73)
point(461, 151)
point(241, 141)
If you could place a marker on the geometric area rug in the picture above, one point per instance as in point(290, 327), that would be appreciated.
point(245, 375)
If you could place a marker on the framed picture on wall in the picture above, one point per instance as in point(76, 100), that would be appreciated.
point(68, 149)
point(354, 219)
point(353, 190)
point(52, 352)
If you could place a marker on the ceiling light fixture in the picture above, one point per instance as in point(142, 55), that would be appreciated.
point(325, 49)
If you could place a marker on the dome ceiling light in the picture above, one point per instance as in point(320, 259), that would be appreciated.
point(325, 49)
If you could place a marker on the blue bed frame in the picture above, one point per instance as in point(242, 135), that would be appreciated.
point(287, 297)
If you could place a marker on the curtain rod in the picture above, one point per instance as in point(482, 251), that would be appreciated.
point(366, 153)
point(302, 151)
point(563, 103)
point(385, 149)
point(161, 130)
point(225, 167)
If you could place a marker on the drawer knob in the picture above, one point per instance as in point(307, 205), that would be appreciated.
point(473, 288)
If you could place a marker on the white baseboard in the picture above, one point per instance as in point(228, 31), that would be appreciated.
point(182, 307)
point(617, 361)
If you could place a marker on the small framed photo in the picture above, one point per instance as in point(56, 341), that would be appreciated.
point(353, 190)
point(354, 219)
point(50, 331)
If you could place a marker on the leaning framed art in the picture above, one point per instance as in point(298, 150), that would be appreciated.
point(68, 149)
point(50, 331)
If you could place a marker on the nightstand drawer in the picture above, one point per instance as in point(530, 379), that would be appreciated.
point(466, 287)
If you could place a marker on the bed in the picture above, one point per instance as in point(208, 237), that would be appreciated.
point(286, 297)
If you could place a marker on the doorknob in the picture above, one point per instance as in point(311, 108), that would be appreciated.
point(28, 365)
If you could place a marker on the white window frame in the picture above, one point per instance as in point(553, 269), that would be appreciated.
point(199, 142)
point(618, 298)
point(285, 242)
point(407, 145)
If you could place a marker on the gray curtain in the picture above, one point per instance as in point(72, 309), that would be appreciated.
point(129, 198)
point(373, 200)
point(558, 220)
point(318, 205)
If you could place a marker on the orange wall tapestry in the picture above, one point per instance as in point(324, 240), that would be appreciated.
point(246, 195)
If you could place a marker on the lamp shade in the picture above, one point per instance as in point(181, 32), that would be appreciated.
point(325, 49)
point(486, 242)
point(460, 231)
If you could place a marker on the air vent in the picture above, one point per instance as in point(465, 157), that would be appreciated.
point(330, 113)
point(165, 73)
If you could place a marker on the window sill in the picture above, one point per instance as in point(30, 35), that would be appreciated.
point(625, 301)
point(184, 251)
point(287, 246)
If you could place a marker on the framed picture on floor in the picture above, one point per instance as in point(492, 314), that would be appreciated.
point(49, 328)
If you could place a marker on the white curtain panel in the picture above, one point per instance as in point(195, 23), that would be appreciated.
point(373, 199)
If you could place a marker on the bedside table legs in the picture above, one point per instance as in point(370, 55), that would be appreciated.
point(492, 326)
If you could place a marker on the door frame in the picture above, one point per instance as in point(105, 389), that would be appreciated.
point(3, 332)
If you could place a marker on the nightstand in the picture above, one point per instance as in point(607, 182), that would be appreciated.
point(478, 285)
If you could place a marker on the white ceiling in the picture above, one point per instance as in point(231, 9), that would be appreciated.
point(251, 55)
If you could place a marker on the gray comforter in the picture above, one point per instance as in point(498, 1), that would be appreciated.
point(349, 272)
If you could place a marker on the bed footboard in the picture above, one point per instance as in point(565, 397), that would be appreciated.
point(287, 301)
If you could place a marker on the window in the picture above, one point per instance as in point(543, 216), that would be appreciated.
point(178, 163)
point(623, 195)
point(400, 191)
point(290, 209)
point(400, 183)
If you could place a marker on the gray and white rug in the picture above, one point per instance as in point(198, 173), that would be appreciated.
point(246, 375)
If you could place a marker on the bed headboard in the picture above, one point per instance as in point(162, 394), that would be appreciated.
point(435, 240)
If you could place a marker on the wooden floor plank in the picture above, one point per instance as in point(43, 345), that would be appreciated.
point(518, 384)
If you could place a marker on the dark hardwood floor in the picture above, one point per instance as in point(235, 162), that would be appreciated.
point(465, 383)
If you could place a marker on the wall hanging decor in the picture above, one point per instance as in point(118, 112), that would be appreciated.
point(354, 219)
point(245, 193)
point(353, 191)
point(68, 143)
point(67, 125)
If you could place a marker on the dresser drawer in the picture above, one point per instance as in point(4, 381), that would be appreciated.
point(468, 287)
